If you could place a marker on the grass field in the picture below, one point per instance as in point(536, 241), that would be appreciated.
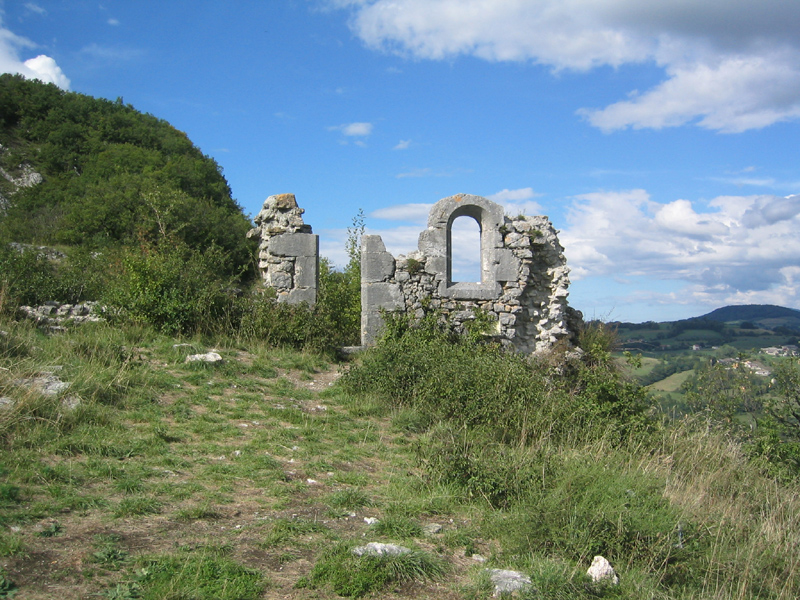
point(671, 383)
point(150, 477)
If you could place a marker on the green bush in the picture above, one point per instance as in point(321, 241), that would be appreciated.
point(27, 277)
point(170, 286)
point(473, 384)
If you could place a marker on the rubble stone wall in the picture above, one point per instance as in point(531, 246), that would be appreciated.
point(524, 277)
point(288, 252)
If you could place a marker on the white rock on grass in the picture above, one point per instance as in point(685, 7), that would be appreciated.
point(46, 384)
point(379, 549)
point(507, 582)
point(601, 570)
point(209, 357)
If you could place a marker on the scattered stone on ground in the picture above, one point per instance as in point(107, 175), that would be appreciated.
point(380, 549)
point(46, 383)
point(432, 528)
point(601, 570)
point(209, 357)
point(53, 314)
point(507, 582)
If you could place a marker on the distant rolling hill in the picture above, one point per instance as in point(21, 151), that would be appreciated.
point(766, 314)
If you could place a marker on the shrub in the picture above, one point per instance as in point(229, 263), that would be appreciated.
point(26, 276)
point(170, 286)
point(478, 385)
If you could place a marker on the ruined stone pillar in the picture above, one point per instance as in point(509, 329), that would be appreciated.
point(288, 253)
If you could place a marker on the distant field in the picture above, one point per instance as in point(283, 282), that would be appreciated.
point(647, 365)
point(671, 383)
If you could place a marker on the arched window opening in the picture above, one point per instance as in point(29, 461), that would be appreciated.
point(465, 250)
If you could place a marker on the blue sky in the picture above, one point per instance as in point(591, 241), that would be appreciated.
point(661, 138)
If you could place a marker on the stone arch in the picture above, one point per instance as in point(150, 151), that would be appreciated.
point(436, 242)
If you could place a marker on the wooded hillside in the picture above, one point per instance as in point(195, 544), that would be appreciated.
point(110, 175)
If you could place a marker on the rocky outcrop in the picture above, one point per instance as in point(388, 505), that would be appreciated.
point(54, 316)
point(25, 177)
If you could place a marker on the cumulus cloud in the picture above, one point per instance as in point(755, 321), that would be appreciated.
point(738, 249)
point(729, 65)
point(40, 67)
point(402, 145)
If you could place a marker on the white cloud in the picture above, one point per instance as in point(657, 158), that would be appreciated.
point(353, 129)
point(414, 213)
point(402, 145)
point(513, 195)
point(730, 65)
point(516, 202)
point(742, 249)
point(113, 22)
point(45, 69)
point(35, 8)
point(41, 67)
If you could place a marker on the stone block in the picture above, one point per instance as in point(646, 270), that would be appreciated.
point(433, 242)
point(381, 296)
point(377, 264)
point(280, 279)
point(507, 268)
point(294, 244)
point(299, 295)
point(306, 272)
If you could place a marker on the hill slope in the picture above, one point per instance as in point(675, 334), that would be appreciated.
point(751, 312)
point(77, 170)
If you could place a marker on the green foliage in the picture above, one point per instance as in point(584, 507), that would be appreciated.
point(776, 440)
point(787, 409)
point(30, 278)
point(338, 308)
point(484, 470)
point(722, 391)
point(283, 531)
point(477, 385)
point(349, 498)
point(355, 576)
point(170, 286)
point(588, 508)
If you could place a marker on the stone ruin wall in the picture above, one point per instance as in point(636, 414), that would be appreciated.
point(288, 253)
point(524, 277)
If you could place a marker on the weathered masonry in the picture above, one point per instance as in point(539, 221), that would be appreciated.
point(524, 277)
point(288, 253)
